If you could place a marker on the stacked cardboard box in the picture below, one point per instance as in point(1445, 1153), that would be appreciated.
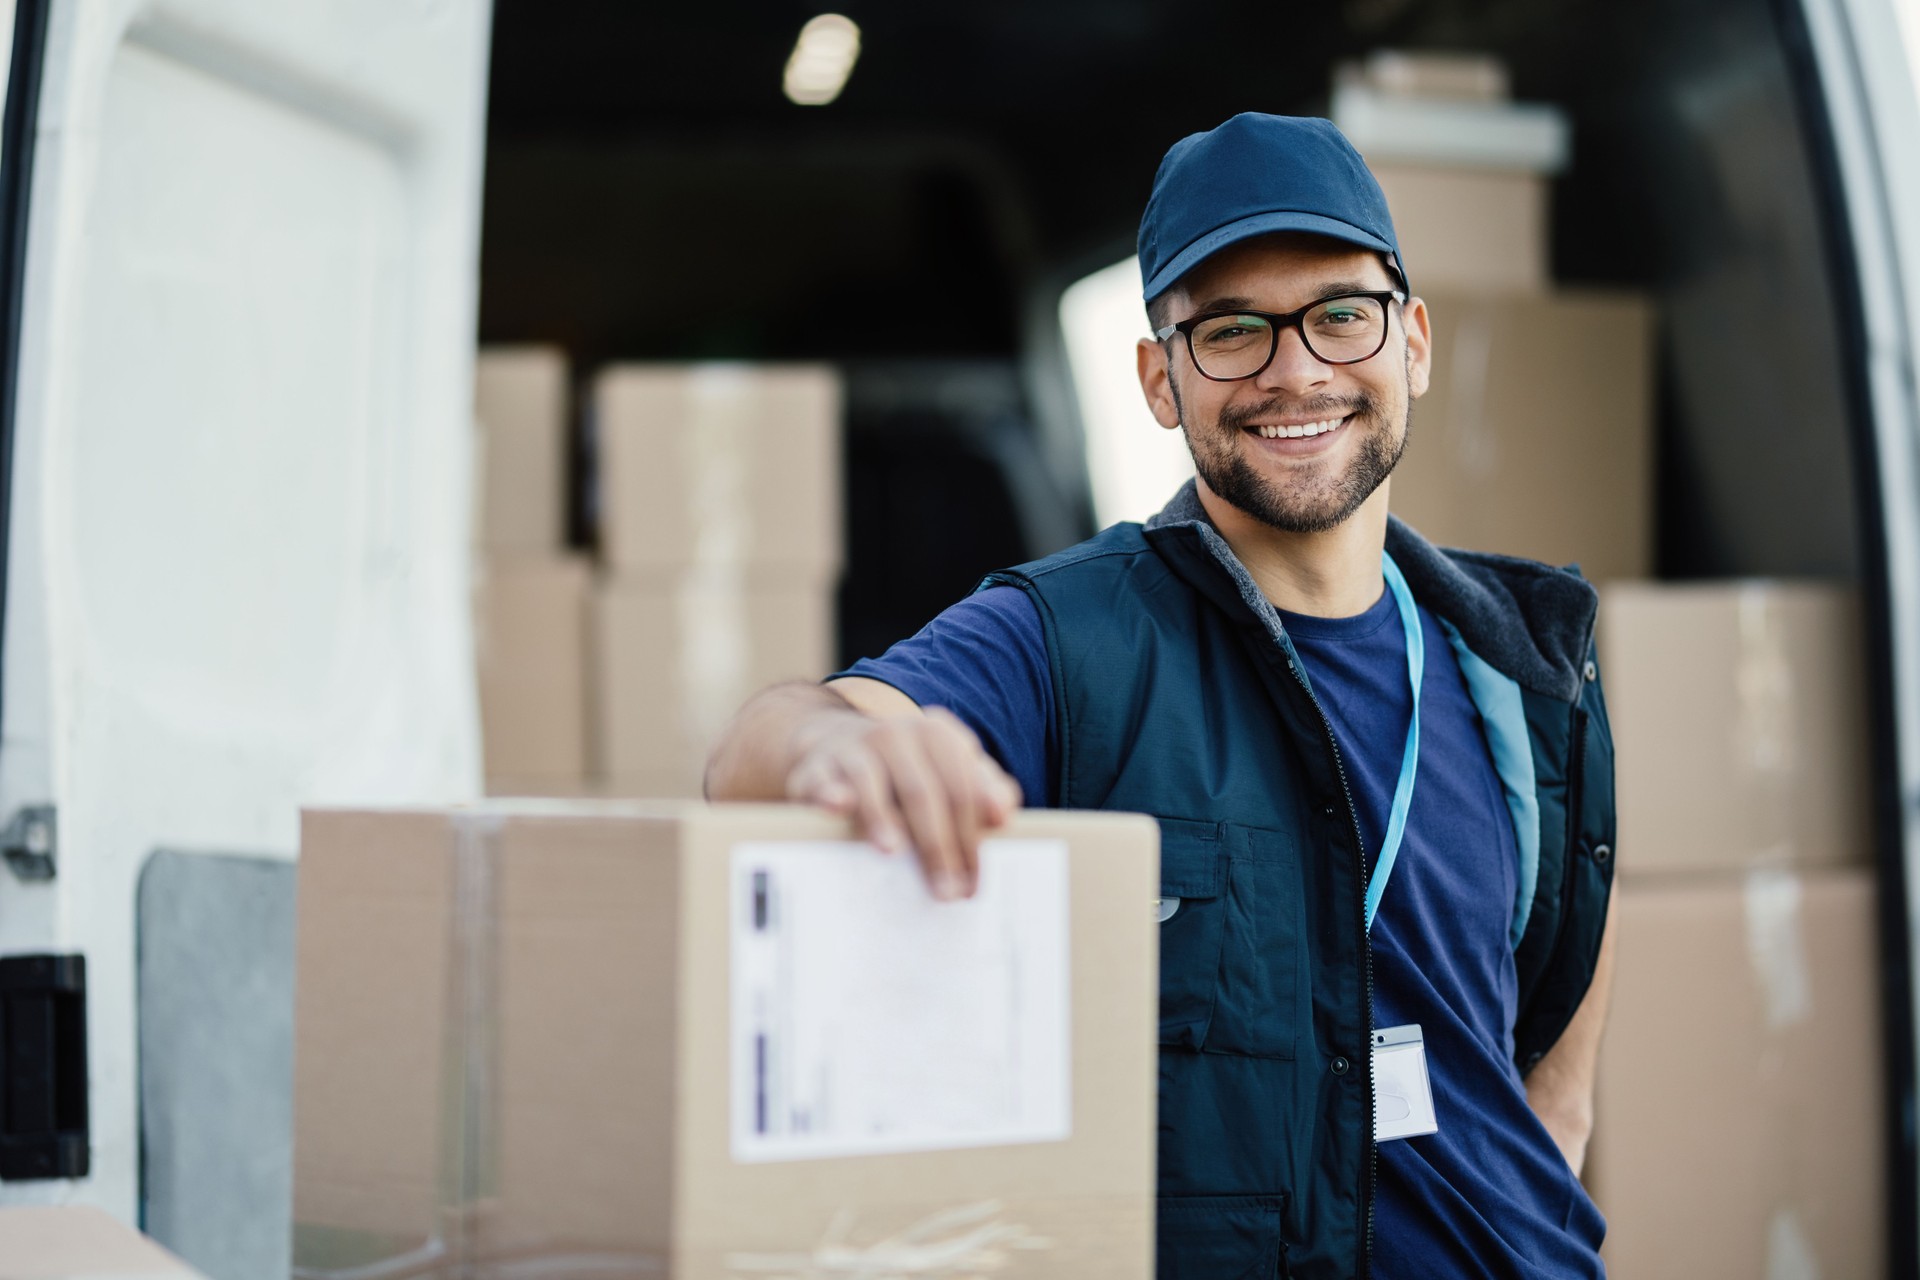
point(71, 1242)
point(1739, 1106)
point(1541, 397)
point(1739, 1100)
point(720, 537)
point(543, 1038)
point(530, 592)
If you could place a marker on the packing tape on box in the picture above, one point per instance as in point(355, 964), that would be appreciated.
point(961, 1241)
point(711, 602)
point(1790, 1254)
point(1777, 948)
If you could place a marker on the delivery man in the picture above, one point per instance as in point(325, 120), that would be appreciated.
point(1383, 772)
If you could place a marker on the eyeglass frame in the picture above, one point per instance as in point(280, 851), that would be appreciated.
point(1281, 323)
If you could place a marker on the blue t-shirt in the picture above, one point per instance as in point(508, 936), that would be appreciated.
point(1489, 1194)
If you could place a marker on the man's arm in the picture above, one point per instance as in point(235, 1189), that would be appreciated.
point(862, 748)
point(1560, 1086)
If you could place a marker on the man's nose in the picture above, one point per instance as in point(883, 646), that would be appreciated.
point(1293, 369)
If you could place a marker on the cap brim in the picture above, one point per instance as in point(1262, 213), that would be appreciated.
point(1259, 224)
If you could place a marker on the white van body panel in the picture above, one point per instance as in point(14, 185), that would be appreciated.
point(238, 571)
point(1868, 54)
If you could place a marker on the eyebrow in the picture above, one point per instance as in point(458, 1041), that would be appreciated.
point(1330, 289)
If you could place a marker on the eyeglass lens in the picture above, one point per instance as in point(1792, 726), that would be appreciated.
point(1339, 331)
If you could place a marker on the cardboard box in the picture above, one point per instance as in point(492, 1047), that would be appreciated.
point(520, 402)
point(1739, 724)
point(567, 974)
point(378, 1085)
point(1469, 229)
point(1739, 1119)
point(675, 659)
point(531, 652)
point(72, 1242)
point(719, 465)
point(1535, 437)
point(1429, 73)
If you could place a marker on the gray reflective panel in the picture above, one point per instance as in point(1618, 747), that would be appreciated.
point(216, 1060)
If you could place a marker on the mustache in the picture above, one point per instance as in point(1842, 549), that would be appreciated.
point(1317, 408)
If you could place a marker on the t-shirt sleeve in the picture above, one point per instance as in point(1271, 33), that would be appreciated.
point(985, 660)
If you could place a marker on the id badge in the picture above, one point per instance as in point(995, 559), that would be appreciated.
point(1402, 1093)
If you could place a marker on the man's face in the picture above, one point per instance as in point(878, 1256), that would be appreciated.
point(1237, 431)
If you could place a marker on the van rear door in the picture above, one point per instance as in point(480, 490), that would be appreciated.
point(237, 453)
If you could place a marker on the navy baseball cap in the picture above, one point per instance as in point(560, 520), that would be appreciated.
point(1253, 175)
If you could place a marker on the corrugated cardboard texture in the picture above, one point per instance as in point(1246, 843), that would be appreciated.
point(520, 401)
point(1739, 721)
point(595, 1122)
point(372, 1060)
point(78, 1243)
point(674, 660)
point(1535, 438)
point(1090, 1199)
point(1739, 1119)
point(1472, 230)
point(719, 464)
point(531, 651)
point(588, 935)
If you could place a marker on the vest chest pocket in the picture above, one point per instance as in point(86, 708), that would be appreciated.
point(1231, 972)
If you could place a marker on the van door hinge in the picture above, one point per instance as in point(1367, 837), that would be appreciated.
point(28, 842)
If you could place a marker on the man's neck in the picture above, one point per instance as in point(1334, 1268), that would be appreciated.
point(1335, 574)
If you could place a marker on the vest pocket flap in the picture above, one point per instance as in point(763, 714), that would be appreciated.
point(1219, 1237)
point(1193, 860)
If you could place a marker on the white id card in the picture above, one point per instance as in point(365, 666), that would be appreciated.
point(1402, 1094)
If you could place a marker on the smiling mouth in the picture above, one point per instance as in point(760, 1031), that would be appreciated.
point(1299, 432)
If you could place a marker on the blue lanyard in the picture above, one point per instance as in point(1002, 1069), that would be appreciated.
point(1410, 759)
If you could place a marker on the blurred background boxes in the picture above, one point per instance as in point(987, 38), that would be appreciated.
point(1468, 228)
point(521, 404)
point(1739, 720)
point(531, 652)
point(717, 489)
point(1536, 436)
point(1740, 1114)
point(514, 1039)
point(719, 464)
point(675, 658)
point(1464, 170)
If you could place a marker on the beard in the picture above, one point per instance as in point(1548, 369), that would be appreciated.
point(1317, 500)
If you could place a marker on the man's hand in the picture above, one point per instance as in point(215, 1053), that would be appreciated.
point(864, 749)
point(1560, 1086)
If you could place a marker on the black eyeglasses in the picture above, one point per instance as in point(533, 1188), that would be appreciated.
point(1227, 346)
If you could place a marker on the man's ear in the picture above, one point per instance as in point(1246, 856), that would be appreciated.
point(1156, 382)
point(1419, 346)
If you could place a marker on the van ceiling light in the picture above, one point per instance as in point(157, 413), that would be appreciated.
point(822, 59)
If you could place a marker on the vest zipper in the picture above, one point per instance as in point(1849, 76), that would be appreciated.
point(1366, 949)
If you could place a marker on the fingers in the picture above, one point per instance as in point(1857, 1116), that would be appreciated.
point(921, 780)
point(932, 810)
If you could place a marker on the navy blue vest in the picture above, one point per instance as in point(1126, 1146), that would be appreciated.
point(1178, 694)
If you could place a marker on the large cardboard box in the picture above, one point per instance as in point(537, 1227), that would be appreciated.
point(719, 464)
point(1469, 229)
point(72, 1242)
point(1739, 724)
point(1740, 1129)
point(520, 401)
point(1535, 437)
point(540, 1034)
point(674, 658)
point(531, 652)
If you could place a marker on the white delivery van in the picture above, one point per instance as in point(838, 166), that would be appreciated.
point(240, 284)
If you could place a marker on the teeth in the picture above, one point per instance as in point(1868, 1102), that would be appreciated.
point(1296, 433)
